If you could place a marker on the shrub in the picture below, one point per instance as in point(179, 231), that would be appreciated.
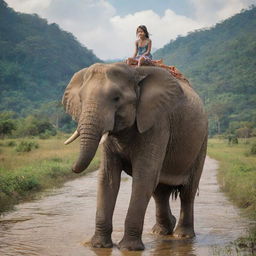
point(14, 185)
point(10, 144)
point(26, 146)
point(47, 134)
point(44, 136)
point(55, 172)
point(27, 183)
point(253, 149)
point(244, 168)
point(7, 123)
point(32, 126)
point(232, 139)
point(243, 132)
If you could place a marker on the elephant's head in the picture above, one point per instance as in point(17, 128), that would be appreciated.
point(108, 97)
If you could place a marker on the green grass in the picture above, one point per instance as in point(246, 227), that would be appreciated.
point(237, 176)
point(237, 172)
point(22, 174)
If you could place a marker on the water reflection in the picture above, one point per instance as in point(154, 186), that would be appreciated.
point(161, 246)
point(58, 223)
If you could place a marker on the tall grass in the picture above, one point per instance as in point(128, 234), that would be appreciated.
point(237, 177)
point(24, 173)
point(237, 171)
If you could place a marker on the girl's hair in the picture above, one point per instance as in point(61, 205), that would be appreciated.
point(144, 28)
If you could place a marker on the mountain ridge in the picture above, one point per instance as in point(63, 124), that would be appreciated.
point(220, 63)
point(37, 60)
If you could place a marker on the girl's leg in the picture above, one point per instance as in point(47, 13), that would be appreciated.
point(145, 61)
point(131, 61)
point(141, 61)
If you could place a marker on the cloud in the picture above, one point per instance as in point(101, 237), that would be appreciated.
point(212, 11)
point(79, 15)
point(28, 6)
point(98, 26)
point(162, 29)
point(234, 6)
point(88, 20)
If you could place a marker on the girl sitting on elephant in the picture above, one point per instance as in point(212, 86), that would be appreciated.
point(142, 55)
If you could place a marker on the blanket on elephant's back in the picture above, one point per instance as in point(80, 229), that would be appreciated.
point(172, 69)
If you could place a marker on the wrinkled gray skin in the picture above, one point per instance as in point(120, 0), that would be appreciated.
point(157, 134)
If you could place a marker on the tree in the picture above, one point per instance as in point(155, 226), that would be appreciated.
point(7, 124)
point(243, 132)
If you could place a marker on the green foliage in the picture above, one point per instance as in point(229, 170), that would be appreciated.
point(237, 174)
point(34, 174)
point(44, 136)
point(11, 143)
point(6, 127)
point(17, 183)
point(253, 149)
point(243, 132)
point(37, 60)
point(54, 112)
point(14, 186)
point(32, 126)
point(7, 124)
point(26, 146)
point(220, 63)
point(232, 139)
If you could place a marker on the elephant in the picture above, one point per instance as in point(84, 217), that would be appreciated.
point(150, 125)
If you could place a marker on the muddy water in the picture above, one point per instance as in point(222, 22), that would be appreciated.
point(62, 222)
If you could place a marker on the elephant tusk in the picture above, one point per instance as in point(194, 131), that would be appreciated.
point(74, 136)
point(103, 138)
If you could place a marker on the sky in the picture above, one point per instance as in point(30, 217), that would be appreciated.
point(108, 27)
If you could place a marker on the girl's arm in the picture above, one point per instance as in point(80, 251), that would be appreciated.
point(149, 47)
point(136, 49)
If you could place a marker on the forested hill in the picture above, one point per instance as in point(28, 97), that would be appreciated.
point(37, 60)
point(221, 64)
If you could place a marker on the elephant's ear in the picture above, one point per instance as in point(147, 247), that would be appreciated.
point(71, 99)
point(159, 93)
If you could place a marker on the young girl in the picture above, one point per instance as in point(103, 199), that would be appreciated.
point(142, 55)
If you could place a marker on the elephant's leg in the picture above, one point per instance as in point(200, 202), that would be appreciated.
point(146, 168)
point(165, 221)
point(108, 187)
point(141, 194)
point(185, 227)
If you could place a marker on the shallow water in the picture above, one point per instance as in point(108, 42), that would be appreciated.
point(62, 222)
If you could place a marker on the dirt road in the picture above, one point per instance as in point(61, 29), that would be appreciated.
point(62, 221)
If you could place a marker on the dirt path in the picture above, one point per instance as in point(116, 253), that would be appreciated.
point(62, 221)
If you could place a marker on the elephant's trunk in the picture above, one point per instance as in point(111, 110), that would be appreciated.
point(90, 134)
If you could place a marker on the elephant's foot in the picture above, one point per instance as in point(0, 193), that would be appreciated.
point(184, 232)
point(98, 241)
point(164, 228)
point(161, 230)
point(131, 244)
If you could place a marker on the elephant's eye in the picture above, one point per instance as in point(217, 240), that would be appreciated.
point(116, 99)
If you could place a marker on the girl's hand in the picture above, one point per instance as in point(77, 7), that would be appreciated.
point(149, 48)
